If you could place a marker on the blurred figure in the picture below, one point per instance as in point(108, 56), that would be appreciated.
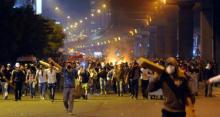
point(174, 85)
point(70, 74)
point(54, 68)
point(145, 76)
point(102, 75)
point(93, 80)
point(84, 78)
point(136, 74)
point(209, 72)
point(4, 82)
point(18, 77)
point(31, 81)
point(42, 81)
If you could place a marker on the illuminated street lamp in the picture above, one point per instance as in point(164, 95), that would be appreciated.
point(163, 1)
point(104, 6)
point(71, 26)
point(86, 18)
point(135, 31)
point(119, 38)
point(57, 8)
point(68, 17)
point(99, 11)
point(92, 15)
point(81, 21)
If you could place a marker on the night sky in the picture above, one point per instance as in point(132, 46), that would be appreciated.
point(75, 8)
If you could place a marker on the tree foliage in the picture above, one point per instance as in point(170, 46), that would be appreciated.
point(24, 33)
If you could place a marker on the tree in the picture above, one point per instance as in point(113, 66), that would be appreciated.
point(24, 33)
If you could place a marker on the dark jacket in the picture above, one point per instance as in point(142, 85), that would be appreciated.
point(18, 76)
point(85, 76)
point(175, 96)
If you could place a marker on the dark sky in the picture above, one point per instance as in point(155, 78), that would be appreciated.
point(75, 8)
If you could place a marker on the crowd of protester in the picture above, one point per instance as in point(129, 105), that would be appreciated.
point(95, 78)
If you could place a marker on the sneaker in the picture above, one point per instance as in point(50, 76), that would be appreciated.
point(70, 113)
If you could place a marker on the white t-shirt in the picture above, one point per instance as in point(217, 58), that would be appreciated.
point(51, 75)
point(41, 78)
point(145, 75)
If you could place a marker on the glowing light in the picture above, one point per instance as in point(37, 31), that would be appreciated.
point(57, 8)
point(99, 11)
point(38, 6)
point(119, 38)
point(104, 6)
point(164, 1)
point(81, 21)
point(86, 18)
point(135, 31)
point(68, 17)
point(92, 15)
point(131, 32)
point(116, 39)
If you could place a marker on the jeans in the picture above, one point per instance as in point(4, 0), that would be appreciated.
point(4, 89)
point(135, 88)
point(32, 89)
point(68, 99)
point(42, 87)
point(166, 113)
point(131, 89)
point(102, 82)
point(119, 84)
point(52, 89)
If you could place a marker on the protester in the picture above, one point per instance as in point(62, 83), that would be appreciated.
point(136, 74)
point(3, 83)
point(42, 81)
point(31, 81)
point(70, 74)
point(18, 77)
point(145, 76)
point(174, 85)
point(54, 68)
point(84, 78)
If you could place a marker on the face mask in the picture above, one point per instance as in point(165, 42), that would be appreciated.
point(170, 69)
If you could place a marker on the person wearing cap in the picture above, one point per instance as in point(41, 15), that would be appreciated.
point(176, 91)
point(17, 78)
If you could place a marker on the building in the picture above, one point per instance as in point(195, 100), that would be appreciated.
point(36, 4)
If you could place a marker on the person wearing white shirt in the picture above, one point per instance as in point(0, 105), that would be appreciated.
point(42, 81)
point(145, 76)
point(54, 68)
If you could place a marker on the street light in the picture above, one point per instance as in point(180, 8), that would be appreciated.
point(81, 21)
point(92, 15)
point(86, 18)
point(57, 8)
point(99, 11)
point(68, 17)
point(104, 6)
point(163, 1)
